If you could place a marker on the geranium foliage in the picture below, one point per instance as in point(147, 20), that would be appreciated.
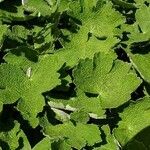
point(74, 74)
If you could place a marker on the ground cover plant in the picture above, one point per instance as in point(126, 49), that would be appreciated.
point(74, 74)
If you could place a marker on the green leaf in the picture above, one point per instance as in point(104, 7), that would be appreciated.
point(139, 31)
point(80, 116)
point(14, 139)
point(23, 57)
point(138, 42)
point(28, 86)
point(141, 62)
point(135, 35)
point(134, 119)
point(135, 145)
point(90, 106)
point(101, 21)
point(76, 136)
point(3, 30)
point(16, 37)
point(41, 7)
point(44, 144)
point(13, 11)
point(43, 38)
point(141, 2)
point(61, 144)
point(95, 31)
point(19, 33)
point(143, 18)
point(108, 140)
point(104, 76)
point(124, 4)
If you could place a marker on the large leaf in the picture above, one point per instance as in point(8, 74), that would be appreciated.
point(95, 30)
point(134, 119)
point(104, 76)
point(76, 136)
point(28, 86)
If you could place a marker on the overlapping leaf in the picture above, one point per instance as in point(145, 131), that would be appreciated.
point(14, 139)
point(134, 119)
point(25, 10)
point(28, 86)
point(138, 42)
point(96, 30)
point(3, 29)
point(76, 136)
point(79, 113)
point(104, 76)
point(108, 139)
point(85, 105)
point(43, 144)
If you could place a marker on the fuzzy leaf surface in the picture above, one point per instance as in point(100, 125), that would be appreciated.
point(104, 76)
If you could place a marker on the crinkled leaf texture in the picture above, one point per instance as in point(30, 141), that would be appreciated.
point(50, 83)
point(141, 62)
point(14, 138)
point(44, 144)
point(15, 10)
point(111, 79)
point(81, 103)
point(138, 43)
point(27, 87)
point(109, 140)
point(134, 119)
point(95, 31)
point(76, 136)
point(3, 29)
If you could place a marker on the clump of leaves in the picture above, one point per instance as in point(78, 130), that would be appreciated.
point(74, 74)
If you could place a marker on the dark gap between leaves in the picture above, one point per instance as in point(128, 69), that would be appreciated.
point(27, 13)
point(141, 47)
point(102, 38)
point(89, 36)
point(69, 23)
point(125, 36)
point(142, 137)
point(64, 21)
point(91, 94)
point(113, 118)
point(9, 114)
point(130, 18)
point(2, 54)
point(34, 135)
point(20, 144)
point(62, 91)
point(98, 145)
point(122, 55)
point(7, 118)
point(138, 93)
point(98, 121)
point(4, 145)
point(147, 3)
point(57, 45)
point(12, 5)
point(51, 116)
point(64, 71)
